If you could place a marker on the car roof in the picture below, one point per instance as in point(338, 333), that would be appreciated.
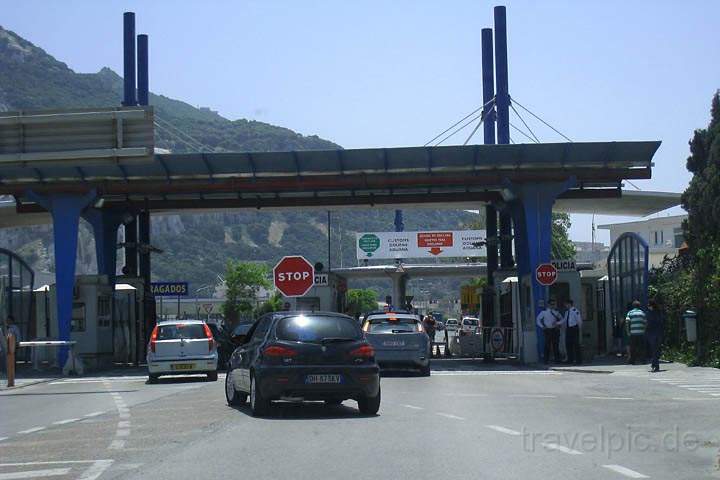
point(393, 315)
point(295, 313)
point(175, 322)
point(470, 318)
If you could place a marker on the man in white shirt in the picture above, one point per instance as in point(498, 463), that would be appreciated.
point(573, 322)
point(549, 320)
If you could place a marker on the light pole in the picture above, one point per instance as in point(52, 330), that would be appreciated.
point(197, 310)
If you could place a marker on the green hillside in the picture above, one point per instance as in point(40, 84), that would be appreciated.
point(196, 247)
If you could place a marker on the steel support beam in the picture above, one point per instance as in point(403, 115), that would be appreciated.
point(105, 224)
point(131, 252)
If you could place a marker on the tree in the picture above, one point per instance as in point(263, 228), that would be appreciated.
point(361, 301)
point(273, 304)
point(243, 281)
point(702, 230)
point(562, 246)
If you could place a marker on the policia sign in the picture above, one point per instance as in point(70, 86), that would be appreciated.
point(169, 289)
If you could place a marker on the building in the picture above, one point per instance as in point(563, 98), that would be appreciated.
point(664, 235)
point(591, 252)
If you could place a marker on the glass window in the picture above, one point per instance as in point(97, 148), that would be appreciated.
point(304, 328)
point(77, 323)
point(177, 331)
point(401, 325)
point(678, 237)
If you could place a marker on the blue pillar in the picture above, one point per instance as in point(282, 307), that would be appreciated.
point(129, 97)
point(143, 85)
point(105, 225)
point(532, 215)
point(65, 210)
point(502, 97)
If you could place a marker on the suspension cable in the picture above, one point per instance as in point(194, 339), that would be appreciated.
point(492, 100)
point(537, 140)
point(543, 121)
point(523, 133)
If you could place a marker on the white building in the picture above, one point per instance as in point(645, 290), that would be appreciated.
point(664, 235)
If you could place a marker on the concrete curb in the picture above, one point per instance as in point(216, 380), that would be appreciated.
point(36, 382)
point(580, 370)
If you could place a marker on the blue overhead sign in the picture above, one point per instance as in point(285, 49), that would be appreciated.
point(169, 289)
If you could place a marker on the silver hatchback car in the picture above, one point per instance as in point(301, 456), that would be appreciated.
point(399, 340)
point(179, 347)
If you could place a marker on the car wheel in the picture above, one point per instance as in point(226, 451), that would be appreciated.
point(212, 376)
point(232, 396)
point(425, 371)
point(259, 405)
point(153, 378)
point(369, 405)
point(333, 402)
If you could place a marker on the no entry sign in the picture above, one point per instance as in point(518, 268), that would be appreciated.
point(293, 276)
point(546, 274)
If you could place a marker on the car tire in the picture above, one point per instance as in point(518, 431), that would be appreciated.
point(233, 397)
point(369, 405)
point(333, 402)
point(153, 378)
point(259, 405)
point(425, 371)
point(212, 376)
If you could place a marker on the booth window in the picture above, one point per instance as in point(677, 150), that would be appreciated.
point(77, 323)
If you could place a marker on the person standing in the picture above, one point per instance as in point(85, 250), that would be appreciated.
point(549, 320)
point(430, 325)
point(654, 334)
point(637, 322)
point(573, 323)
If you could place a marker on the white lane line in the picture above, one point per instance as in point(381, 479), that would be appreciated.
point(31, 430)
point(691, 387)
point(532, 395)
point(561, 448)
point(50, 472)
point(93, 414)
point(117, 445)
point(96, 469)
point(122, 432)
point(693, 399)
point(610, 398)
point(124, 415)
point(412, 407)
point(123, 424)
point(449, 415)
point(466, 394)
point(64, 422)
point(625, 471)
point(500, 429)
point(2, 439)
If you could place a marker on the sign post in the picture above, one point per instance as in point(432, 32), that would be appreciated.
point(293, 276)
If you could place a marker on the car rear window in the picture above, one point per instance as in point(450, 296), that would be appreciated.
point(177, 331)
point(399, 325)
point(304, 328)
point(473, 323)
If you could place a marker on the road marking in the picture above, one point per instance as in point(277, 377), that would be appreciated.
point(117, 445)
point(2, 439)
point(64, 422)
point(610, 398)
point(95, 470)
point(625, 471)
point(124, 415)
point(449, 415)
point(560, 448)
point(50, 472)
point(122, 432)
point(693, 387)
point(93, 414)
point(500, 372)
point(465, 394)
point(123, 424)
point(413, 407)
point(532, 395)
point(500, 429)
point(693, 399)
point(30, 430)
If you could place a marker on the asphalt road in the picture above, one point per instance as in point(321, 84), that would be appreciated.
point(467, 420)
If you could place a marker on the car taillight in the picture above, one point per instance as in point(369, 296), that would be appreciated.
point(153, 338)
point(209, 335)
point(364, 351)
point(279, 351)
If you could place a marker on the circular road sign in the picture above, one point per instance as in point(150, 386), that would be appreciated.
point(497, 339)
point(293, 276)
point(546, 274)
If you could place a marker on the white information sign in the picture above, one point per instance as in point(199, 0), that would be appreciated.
point(447, 243)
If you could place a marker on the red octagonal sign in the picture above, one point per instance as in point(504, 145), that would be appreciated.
point(293, 276)
point(546, 274)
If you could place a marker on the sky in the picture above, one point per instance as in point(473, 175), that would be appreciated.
point(396, 73)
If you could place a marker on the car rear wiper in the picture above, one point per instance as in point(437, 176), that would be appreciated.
point(337, 340)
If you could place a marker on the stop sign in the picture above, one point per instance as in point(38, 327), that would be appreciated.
point(546, 274)
point(293, 276)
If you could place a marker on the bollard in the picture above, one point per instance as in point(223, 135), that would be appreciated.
point(10, 359)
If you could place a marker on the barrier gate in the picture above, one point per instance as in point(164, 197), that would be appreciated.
point(495, 342)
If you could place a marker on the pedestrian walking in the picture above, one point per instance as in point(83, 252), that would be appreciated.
point(430, 327)
point(573, 323)
point(654, 334)
point(636, 321)
point(549, 320)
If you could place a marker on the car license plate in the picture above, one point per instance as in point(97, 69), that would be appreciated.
point(394, 343)
point(323, 378)
point(182, 366)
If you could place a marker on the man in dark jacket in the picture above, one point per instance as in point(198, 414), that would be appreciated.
point(654, 333)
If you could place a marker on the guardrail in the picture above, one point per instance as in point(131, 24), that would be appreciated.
point(10, 355)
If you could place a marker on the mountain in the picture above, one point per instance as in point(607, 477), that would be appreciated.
point(196, 247)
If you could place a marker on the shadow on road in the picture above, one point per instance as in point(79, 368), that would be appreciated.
point(180, 379)
point(309, 411)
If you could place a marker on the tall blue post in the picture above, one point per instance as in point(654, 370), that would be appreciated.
point(105, 226)
point(129, 98)
point(65, 210)
point(143, 82)
point(502, 97)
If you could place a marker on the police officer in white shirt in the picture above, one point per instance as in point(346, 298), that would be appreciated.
point(573, 322)
point(549, 320)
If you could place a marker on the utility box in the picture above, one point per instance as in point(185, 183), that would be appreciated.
point(690, 318)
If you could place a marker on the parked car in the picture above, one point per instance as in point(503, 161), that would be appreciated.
point(469, 325)
point(452, 324)
point(299, 356)
point(182, 347)
point(399, 341)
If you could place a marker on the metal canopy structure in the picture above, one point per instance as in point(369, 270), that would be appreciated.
point(413, 175)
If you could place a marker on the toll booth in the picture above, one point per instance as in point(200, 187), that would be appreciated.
point(327, 295)
point(106, 323)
